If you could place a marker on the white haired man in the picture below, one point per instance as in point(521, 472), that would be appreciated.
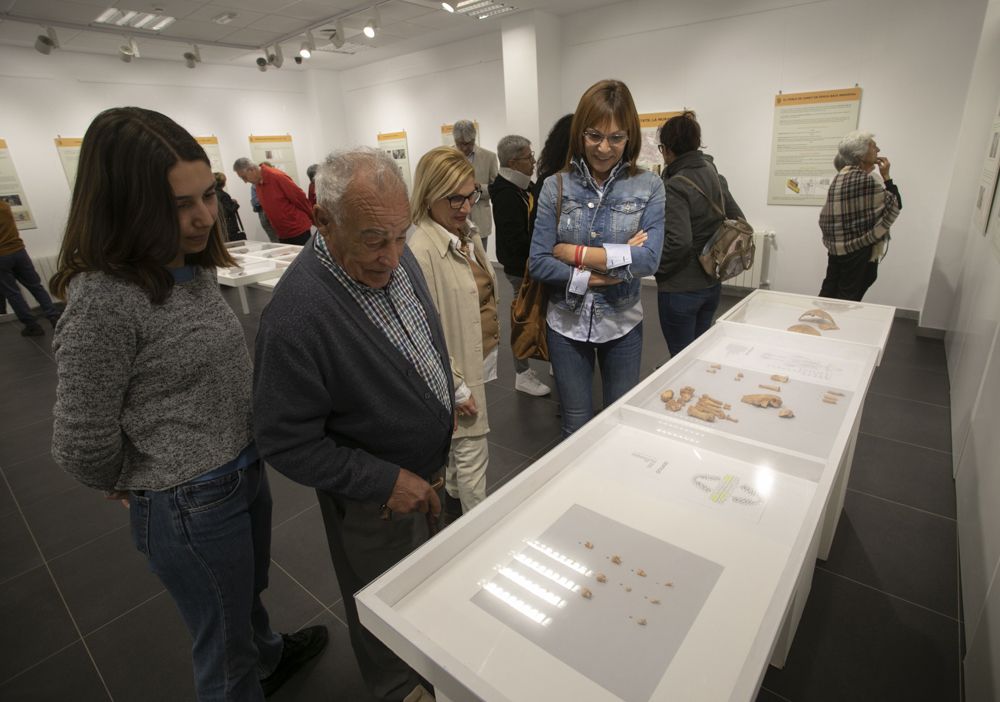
point(484, 162)
point(513, 206)
point(856, 218)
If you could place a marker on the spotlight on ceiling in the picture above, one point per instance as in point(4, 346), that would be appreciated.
point(193, 57)
point(276, 58)
point(261, 64)
point(338, 37)
point(308, 46)
point(128, 51)
point(447, 7)
point(44, 43)
point(372, 25)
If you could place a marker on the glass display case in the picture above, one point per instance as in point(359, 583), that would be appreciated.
point(258, 263)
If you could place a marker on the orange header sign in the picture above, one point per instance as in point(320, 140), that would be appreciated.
point(3, 144)
point(213, 140)
point(69, 141)
point(391, 136)
point(655, 119)
point(817, 97)
point(270, 139)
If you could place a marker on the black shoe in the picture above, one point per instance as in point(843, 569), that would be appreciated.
point(32, 330)
point(54, 320)
point(299, 648)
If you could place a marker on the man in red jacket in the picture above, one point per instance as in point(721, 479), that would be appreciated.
point(284, 203)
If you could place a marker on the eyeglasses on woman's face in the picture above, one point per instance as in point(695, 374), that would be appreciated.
point(594, 138)
point(456, 201)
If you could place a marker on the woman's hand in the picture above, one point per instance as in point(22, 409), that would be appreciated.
point(599, 280)
point(565, 253)
point(639, 238)
point(120, 495)
point(883, 167)
point(467, 408)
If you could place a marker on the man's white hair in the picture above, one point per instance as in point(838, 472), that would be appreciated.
point(340, 168)
point(464, 130)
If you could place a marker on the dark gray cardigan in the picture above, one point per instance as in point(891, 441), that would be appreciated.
point(336, 406)
point(690, 221)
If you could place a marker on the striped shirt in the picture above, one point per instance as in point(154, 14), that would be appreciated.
point(858, 212)
point(397, 313)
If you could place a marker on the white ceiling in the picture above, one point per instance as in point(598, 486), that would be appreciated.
point(406, 26)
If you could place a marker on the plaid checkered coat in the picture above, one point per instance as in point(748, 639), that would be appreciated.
point(858, 212)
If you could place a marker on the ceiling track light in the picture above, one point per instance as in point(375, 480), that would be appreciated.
point(338, 37)
point(447, 7)
point(262, 62)
point(128, 50)
point(44, 43)
point(276, 58)
point(193, 57)
point(308, 46)
point(373, 24)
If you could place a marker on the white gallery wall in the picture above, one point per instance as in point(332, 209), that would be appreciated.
point(47, 96)
point(912, 58)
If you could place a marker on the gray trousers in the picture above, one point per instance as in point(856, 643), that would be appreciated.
point(268, 229)
point(362, 547)
point(520, 364)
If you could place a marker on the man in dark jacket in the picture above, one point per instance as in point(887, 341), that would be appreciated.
point(353, 390)
point(513, 205)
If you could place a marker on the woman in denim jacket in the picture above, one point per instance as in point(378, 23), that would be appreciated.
point(608, 236)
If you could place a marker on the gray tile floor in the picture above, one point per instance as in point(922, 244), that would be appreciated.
point(84, 620)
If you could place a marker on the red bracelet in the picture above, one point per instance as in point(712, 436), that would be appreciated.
point(578, 256)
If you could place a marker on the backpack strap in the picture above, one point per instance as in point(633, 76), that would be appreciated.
point(720, 210)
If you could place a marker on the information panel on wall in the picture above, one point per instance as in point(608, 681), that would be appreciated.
point(68, 149)
point(649, 124)
point(214, 153)
point(807, 129)
point(988, 179)
point(394, 144)
point(447, 137)
point(276, 150)
point(11, 191)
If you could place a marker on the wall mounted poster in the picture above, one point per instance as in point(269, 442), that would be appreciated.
point(807, 129)
point(988, 179)
point(11, 191)
point(214, 153)
point(650, 123)
point(68, 149)
point(446, 134)
point(276, 150)
point(394, 144)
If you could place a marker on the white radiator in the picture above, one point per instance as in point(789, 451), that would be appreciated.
point(757, 275)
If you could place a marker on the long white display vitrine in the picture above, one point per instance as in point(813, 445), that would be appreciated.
point(650, 556)
point(257, 263)
point(841, 320)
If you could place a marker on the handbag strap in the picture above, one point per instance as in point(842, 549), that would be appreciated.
point(558, 199)
point(720, 210)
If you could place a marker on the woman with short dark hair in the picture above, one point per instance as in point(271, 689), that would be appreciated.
point(687, 296)
point(153, 404)
point(598, 232)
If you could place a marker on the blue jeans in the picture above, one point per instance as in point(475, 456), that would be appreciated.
point(573, 365)
point(210, 544)
point(17, 268)
point(684, 316)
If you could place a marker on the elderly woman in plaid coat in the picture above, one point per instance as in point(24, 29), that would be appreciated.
point(860, 207)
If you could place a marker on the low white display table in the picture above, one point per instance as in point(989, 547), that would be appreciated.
point(258, 263)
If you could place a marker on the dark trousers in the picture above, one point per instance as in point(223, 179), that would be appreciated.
point(684, 316)
point(362, 547)
point(209, 543)
point(848, 277)
point(265, 224)
point(17, 268)
point(299, 239)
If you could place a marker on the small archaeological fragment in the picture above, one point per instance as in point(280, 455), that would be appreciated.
point(762, 400)
point(640, 621)
point(641, 573)
point(772, 388)
point(616, 559)
point(588, 545)
point(786, 413)
point(804, 329)
point(687, 392)
point(821, 318)
point(831, 398)
point(628, 588)
point(708, 409)
point(602, 578)
point(654, 600)
point(669, 583)
point(739, 376)
point(667, 395)
point(585, 593)
point(779, 378)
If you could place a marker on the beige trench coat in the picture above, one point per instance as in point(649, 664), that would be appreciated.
point(486, 167)
point(453, 289)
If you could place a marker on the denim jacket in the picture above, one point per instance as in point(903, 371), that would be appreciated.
point(595, 218)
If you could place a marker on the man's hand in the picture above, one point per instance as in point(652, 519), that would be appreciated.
point(467, 408)
point(883, 167)
point(120, 495)
point(411, 493)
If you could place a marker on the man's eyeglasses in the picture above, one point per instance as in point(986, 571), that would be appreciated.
point(456, 201)
point(594, 137)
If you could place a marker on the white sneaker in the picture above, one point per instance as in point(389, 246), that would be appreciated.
point(528, 383)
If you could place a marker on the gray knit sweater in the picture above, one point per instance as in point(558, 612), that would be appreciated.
point(149, 396)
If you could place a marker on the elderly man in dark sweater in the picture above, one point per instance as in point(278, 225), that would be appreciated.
point(353, 391)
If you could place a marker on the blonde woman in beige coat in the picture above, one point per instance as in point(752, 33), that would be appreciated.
point(463, 286)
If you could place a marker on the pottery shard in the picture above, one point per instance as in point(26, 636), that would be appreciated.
point(786, 413)
point(821, 318)
point(804, 329)
point(667, 395)
point(762, 400)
